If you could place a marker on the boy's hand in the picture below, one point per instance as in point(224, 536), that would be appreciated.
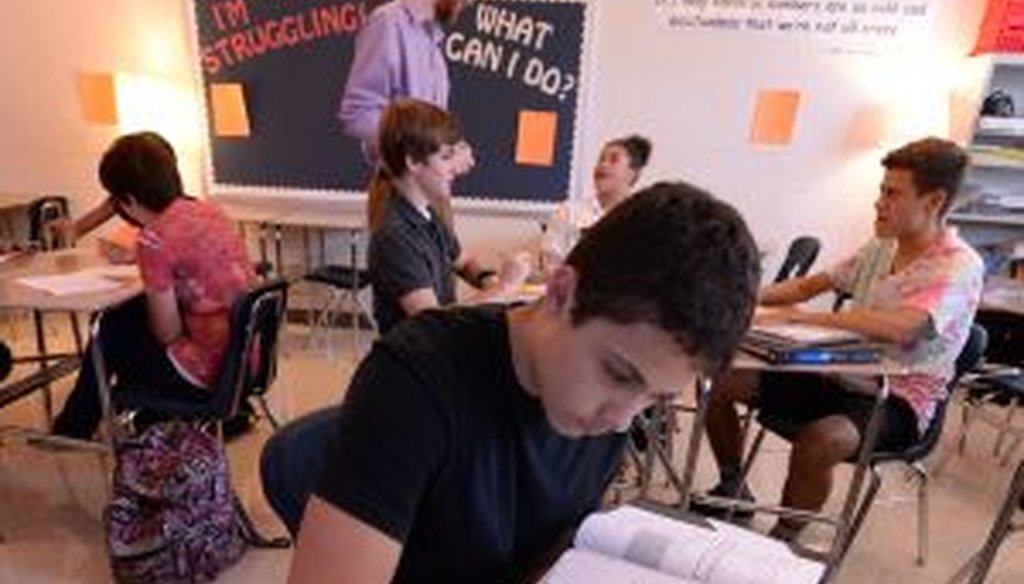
point(515, 268)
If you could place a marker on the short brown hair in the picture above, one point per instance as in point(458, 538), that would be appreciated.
point(408, 129)
point(935, 165)
point(673, 256)
point(141, 165)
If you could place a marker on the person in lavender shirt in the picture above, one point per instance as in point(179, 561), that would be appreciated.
point(398, 54)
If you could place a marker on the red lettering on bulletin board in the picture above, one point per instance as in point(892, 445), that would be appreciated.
point(1002, 30)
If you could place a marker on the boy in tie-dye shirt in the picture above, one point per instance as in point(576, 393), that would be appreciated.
point(915, 286)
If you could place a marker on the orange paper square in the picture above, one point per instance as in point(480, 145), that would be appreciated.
point(535, 143)
point(775, 117)
point(98, 98)
point(230, 116)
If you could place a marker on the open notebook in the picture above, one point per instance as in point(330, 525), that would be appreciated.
point(809, 344)
point(636, 546)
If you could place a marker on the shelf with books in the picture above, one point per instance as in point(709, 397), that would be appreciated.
point(992, 217)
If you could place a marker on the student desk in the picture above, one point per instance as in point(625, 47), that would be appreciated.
point(327, 216)
point(842, 523)
point(275, 213)
point(17, 296)
point(263, 214)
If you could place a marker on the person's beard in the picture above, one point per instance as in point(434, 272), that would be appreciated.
point(447, 11)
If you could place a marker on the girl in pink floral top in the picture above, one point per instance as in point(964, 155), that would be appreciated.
point(193, 265)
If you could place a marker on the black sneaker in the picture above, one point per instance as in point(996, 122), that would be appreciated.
point(720, 512)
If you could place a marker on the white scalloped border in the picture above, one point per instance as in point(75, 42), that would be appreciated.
point(495, 205)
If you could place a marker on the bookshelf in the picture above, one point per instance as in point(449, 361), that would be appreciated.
point(991, 216)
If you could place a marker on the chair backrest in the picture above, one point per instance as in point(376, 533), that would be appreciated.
point(41, 213)
point(799, 257)
point(969, 358)
point(250, 361)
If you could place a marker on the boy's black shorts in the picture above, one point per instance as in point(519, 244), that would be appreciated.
point(805, 397)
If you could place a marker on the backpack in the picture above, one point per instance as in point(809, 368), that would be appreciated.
point(172, 518)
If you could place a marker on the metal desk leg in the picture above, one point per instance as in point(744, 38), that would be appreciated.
point(844, 533)
point(262, 240)
point(37, 317)
point(102, 380)
point(685, 486)
point(982, 562)
point(278, 256)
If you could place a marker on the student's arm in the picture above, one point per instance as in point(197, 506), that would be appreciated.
point(418, 300)
point(158, 279)
point(795, 290)
point(164, 316)
point(329, 541)
point(473, 273)
point(68, 231)
point(897, 326)
point(94, 218)
point(491, 286)
point(370, 80)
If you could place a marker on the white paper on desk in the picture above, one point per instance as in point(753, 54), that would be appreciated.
point(809, 334)
point(581, 566)
point(70, 284)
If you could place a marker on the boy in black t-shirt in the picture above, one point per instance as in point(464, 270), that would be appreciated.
point(471, 439)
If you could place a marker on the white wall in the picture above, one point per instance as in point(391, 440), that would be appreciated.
point(46, 146)
point(691, 93)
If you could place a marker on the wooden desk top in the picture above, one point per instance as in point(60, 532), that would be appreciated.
point(319, 214)
point(15, 295)
point(324, 216)
point(252, 212)
point(1003, 295)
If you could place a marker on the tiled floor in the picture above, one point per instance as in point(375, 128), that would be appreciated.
point(51, 502)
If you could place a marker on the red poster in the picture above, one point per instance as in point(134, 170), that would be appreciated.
point(1002, 30)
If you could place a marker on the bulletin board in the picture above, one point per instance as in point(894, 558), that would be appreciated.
point(272, 75)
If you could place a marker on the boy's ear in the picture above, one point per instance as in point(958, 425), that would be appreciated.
point(411, 163)
point(935, 200)
point(560, 295)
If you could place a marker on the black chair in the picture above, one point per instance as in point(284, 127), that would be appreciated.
point(1000, 384)
point(799, 258)
point(969, 358)
point(344, 283)
point(246, 372)
point(41, 213)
